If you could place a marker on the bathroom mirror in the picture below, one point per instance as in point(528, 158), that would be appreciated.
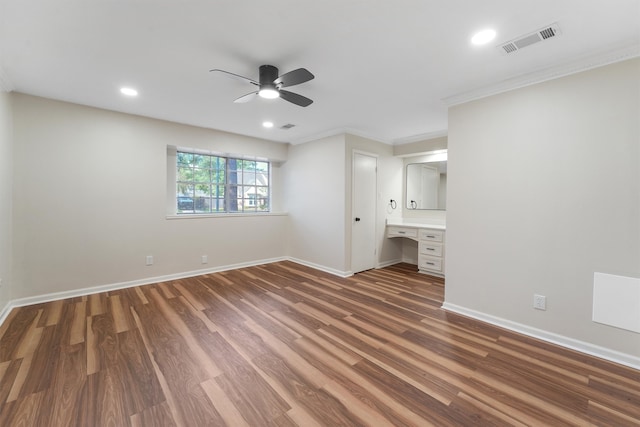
point(426, 185)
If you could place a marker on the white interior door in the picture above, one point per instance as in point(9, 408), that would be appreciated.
point(363, 222)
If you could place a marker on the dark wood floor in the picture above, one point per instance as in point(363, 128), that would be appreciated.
point(286, 345)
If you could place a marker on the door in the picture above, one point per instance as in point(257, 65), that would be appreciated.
point(363, 209)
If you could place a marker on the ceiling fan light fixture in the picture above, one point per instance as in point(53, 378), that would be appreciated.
point(269, 93)
point(270, 84)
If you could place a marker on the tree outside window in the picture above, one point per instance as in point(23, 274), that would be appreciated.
point(214, 184)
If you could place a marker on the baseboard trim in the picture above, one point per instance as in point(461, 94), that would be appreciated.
point(322, 268)
point(5, 311)
point(389, 263)
point(410, 260)
point(561, 340)
point(39, 299)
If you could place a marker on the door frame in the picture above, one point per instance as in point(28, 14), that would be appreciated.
point(354, 152)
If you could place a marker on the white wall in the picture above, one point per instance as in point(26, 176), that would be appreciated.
point(420, 147)
point(315, 201)
point(6, 203)
point(544, 190)
point(90, 189)
point(318, 200)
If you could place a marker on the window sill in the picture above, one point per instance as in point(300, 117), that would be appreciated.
point(225, 215)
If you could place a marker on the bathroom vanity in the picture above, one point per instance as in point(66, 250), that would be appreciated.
point(431, 243)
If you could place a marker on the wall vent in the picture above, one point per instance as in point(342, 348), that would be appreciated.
point(521, 42)
point(287, 126)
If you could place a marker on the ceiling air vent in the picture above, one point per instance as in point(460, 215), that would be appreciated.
point(527, 40)
point(287, 126)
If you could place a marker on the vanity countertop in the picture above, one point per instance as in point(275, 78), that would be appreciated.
point(415, 223)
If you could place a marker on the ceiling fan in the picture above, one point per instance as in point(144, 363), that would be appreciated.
point(270, 85)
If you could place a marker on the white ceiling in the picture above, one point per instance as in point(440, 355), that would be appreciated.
point(383, 68)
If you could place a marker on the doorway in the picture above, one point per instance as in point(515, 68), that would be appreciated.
point(363, 210)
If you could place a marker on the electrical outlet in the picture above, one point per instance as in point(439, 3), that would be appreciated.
point(149, 260)
point(205, 259)
point(539, 302)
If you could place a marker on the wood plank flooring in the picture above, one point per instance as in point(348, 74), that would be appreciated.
point(286, 345)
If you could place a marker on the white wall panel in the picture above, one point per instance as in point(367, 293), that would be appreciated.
point(543, 191)
point(315, 200)
point(90, 200)
point(616, 301)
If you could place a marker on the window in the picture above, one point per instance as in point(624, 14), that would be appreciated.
point(213, 184)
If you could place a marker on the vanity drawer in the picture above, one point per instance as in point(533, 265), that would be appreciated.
point(402, 232)
point(433, 235)
point(430, 263)
point(428, 248)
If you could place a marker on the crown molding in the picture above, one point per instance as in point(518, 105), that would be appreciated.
point(335, 132)
point(421, 137)
point(355, 132)
point(5, 83)
point(582, 64)
point(317, 136)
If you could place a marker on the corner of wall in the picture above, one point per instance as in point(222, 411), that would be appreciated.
point(6, 199)
point(5, 83)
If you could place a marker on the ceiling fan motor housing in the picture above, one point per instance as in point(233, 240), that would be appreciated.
point(268, 73)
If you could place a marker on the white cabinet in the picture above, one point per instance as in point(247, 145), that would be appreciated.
point(396, 231)
point(431, 235)
point(431, 251)
point(431, 243)
point(430, 248)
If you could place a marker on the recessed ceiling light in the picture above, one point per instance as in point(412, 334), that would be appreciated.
point(267, 124)
point(128, 91)
point(483, 37)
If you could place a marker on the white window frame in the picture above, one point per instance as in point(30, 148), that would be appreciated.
point(244, 207)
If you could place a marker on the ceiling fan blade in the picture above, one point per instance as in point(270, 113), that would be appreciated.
point(236, 76)
point(246, 98)
point(294, 77)
point(295, 98)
